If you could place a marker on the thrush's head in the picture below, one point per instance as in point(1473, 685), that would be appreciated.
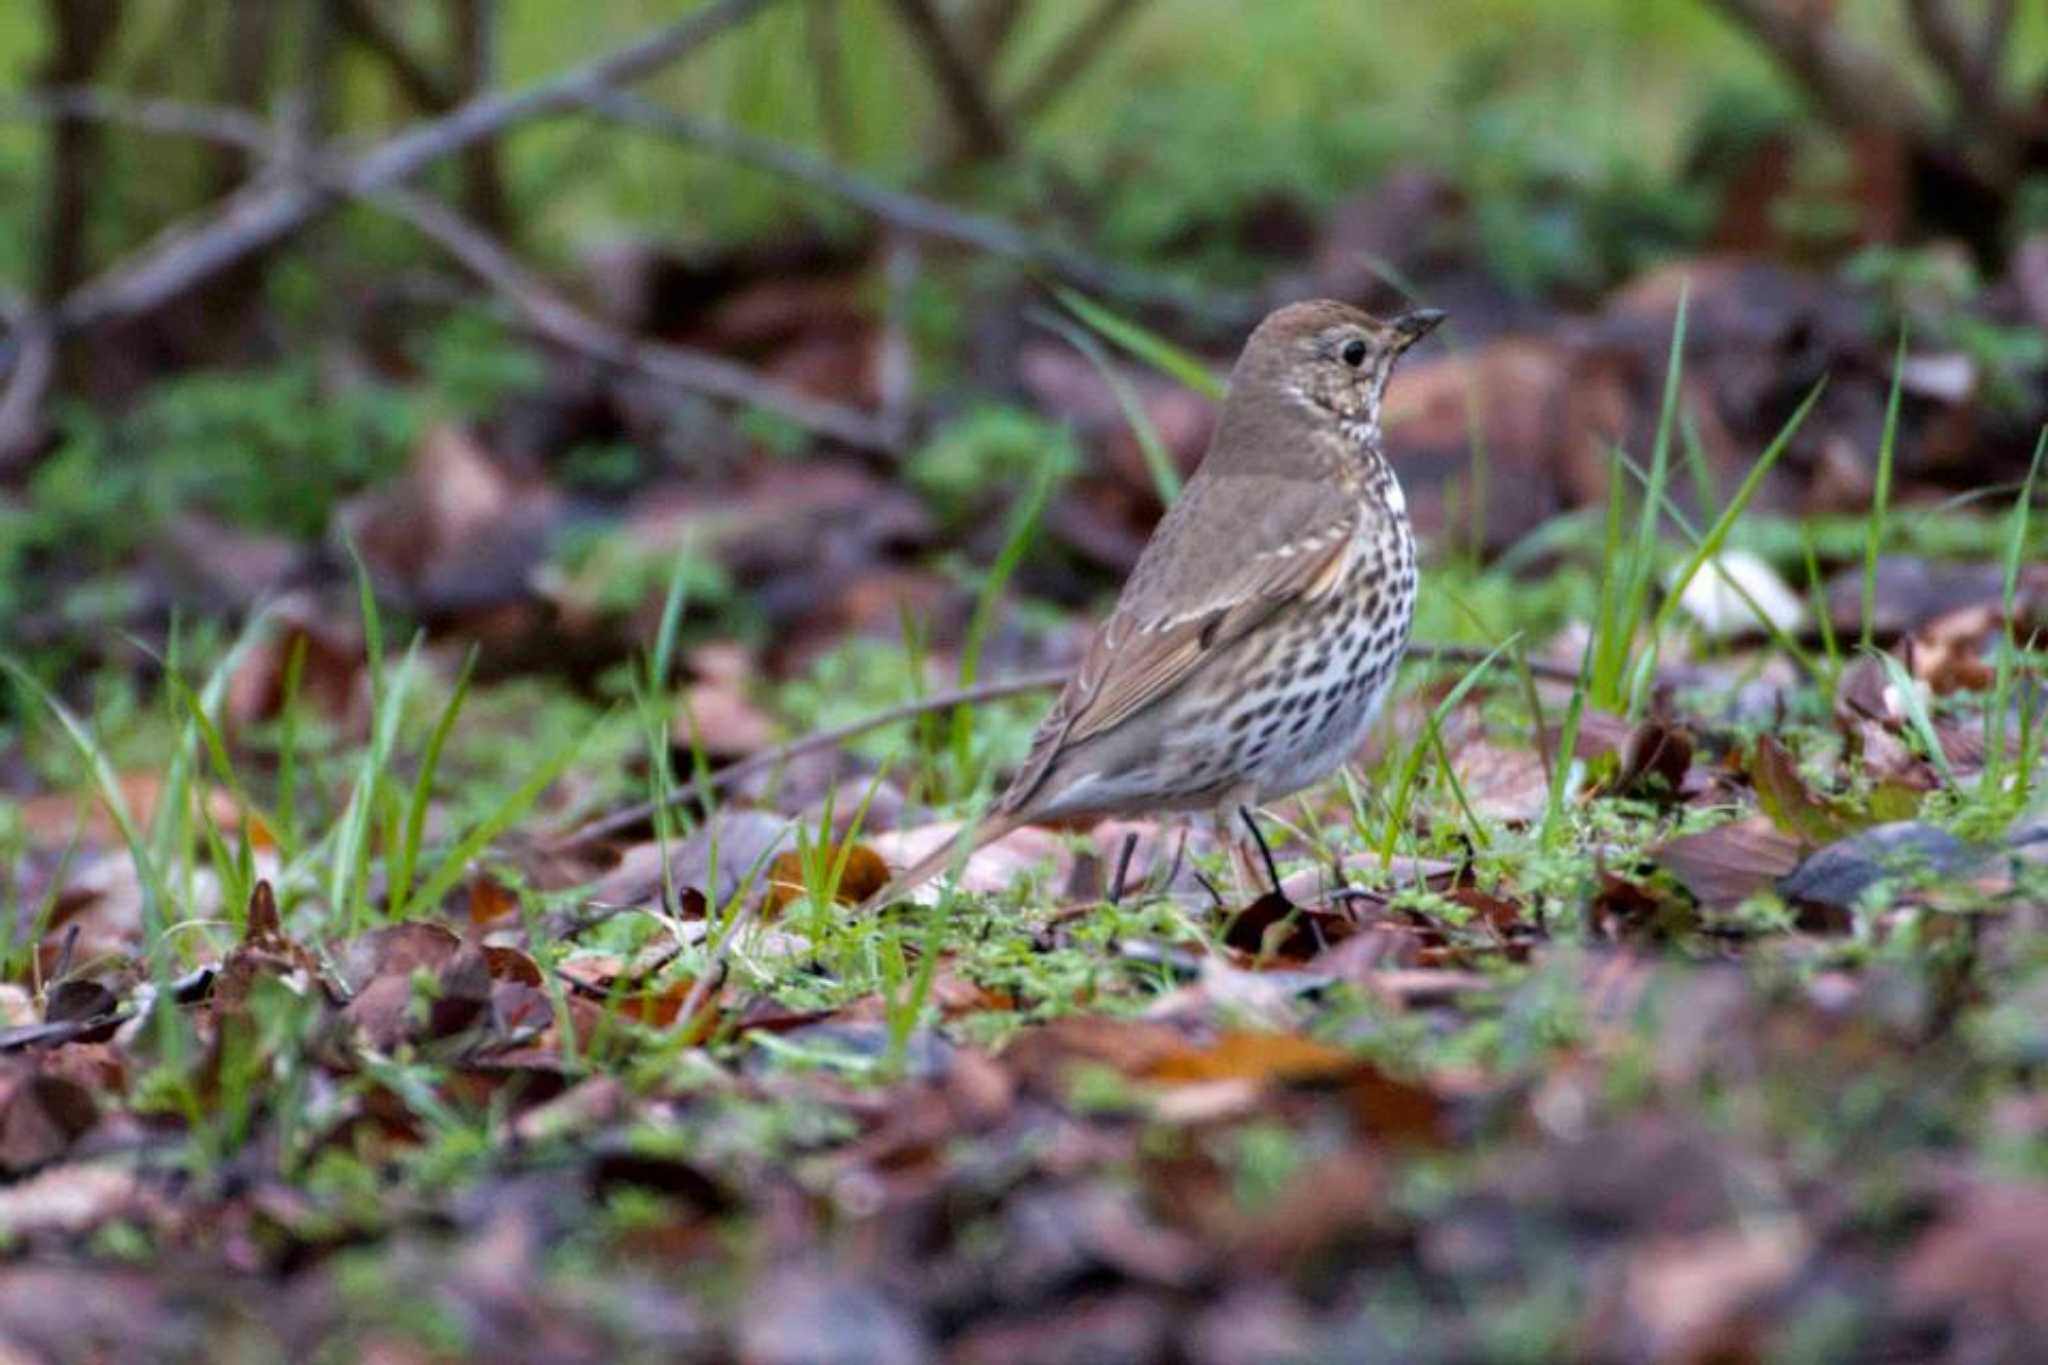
point(1331, 357)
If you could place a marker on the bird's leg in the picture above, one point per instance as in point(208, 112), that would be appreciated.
point(1271, 868)
point(1244, 878)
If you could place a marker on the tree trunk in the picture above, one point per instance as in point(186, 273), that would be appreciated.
point(82, 32)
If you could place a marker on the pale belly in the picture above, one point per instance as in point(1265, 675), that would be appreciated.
point(1323, 747)
point(1301, 702)
point(1311, 713)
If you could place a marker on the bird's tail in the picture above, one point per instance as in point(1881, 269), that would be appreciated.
point(932, 864)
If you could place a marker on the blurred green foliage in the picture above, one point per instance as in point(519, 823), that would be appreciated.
point(1196, 110)
point(264, 449)
point(271, 449)
point(986, 456)
point(1927, 292)
point(608, 569)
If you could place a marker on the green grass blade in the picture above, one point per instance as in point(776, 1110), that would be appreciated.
point(1567, 746)
point(502, 817)
point(1642, 560)
point(1158, 460)
point(1710, 544)
point(155, 896)
point(1880, 497)
point(156, 900)
point(1997, 713)
point(1777, 633)
point(171, 829)
point(423, 786)
point(1611, 631)
point(1817, 599)
point(1148, 346)
point(662, 663)
point(348, 874)
point(1412, 761)
point(373, 623)
point(1023, 527)
point(1916, 715)
point(289, 838)
point(217, 754)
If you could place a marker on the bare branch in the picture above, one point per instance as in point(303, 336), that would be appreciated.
point(827, 57)
point(476, 55)
point(566, 325)
point(1985, 71)
point(1073, 56)
point(1854, 86)
point(262, 214)
point(914, 213)
point(1960, 57)
point(958, 81)
point(82, 32)
point(605, 826)
point(208, 123)
point(365, 23)
point(21, 403)
point(985, 28)
point(561, 321)
point(1941, 31)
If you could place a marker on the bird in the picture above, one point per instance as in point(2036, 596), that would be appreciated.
point(1263, 623)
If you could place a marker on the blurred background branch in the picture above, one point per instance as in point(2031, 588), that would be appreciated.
point(273, 180)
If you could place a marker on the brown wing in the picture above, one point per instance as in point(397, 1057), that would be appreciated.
point(1155, 641)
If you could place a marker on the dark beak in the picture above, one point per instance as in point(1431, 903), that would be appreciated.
point(1413, 327)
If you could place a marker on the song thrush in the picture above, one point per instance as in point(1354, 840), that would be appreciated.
point(1260, 629)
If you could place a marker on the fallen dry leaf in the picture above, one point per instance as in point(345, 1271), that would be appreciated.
point(1502, 784)
point(993, 867)
point(1249, 1056)
point(1792, 806)
point(41, 1114)
point(1726, 865)
point(716, 715)
point(1691, 1293)
point(787, 881)
point(1948, 653)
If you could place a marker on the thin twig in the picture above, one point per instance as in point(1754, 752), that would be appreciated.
point(194, 250)
point(494, 263)
point(1986, 70)
point(626, 818)
point(1073, 56)
point(912, 212)
point(365, 23)
point(209, 123)
point(475, 25)
point(958, 81)
point(566, 325)
point(827, 57)
point(1854, 85)
point(1942, 33)
point(718, 778)
point(21, 402)
point(1957, 54)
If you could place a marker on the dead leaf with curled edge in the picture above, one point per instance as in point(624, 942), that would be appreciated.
point(1792, 806)
point(1384, 1105)
point(787, 881)
point(1948, 653)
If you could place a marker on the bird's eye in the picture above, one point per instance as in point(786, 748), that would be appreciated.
point(1354, 353)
